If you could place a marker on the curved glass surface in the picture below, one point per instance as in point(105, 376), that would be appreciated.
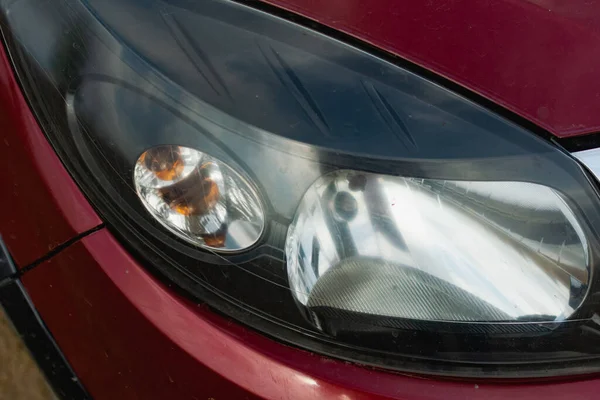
point(437, 250)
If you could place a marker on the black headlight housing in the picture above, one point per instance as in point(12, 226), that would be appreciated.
point(285, 106)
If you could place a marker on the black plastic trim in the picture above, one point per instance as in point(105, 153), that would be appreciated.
point(7, 267)
point(18, 306)
point(580, 142)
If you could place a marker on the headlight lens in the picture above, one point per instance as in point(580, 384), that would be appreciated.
point(315, 192)
point(422, 249)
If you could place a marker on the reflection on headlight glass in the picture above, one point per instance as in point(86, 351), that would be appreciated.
point(437, 250)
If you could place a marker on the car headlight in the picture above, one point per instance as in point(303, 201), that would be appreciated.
point(314, 191)
point(412, 249)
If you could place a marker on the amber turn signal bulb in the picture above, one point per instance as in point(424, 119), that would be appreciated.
point(199, 198)
point(164, 161)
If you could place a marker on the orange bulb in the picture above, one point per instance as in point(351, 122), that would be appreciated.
point(183, 209)
point(215, 240)
point(194, 195)
point(164, 161)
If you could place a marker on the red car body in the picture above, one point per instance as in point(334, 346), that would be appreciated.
point(128, 336)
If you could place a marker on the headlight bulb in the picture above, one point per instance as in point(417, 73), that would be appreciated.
point(199, 198)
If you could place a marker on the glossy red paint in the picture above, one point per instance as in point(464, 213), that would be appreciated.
point(538, 58)
point(41, 207)
point(129, 337)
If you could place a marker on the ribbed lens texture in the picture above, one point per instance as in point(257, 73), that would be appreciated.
point(377, 287)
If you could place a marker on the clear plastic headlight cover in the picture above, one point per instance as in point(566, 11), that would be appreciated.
point(434, 250)
point(314, 191)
